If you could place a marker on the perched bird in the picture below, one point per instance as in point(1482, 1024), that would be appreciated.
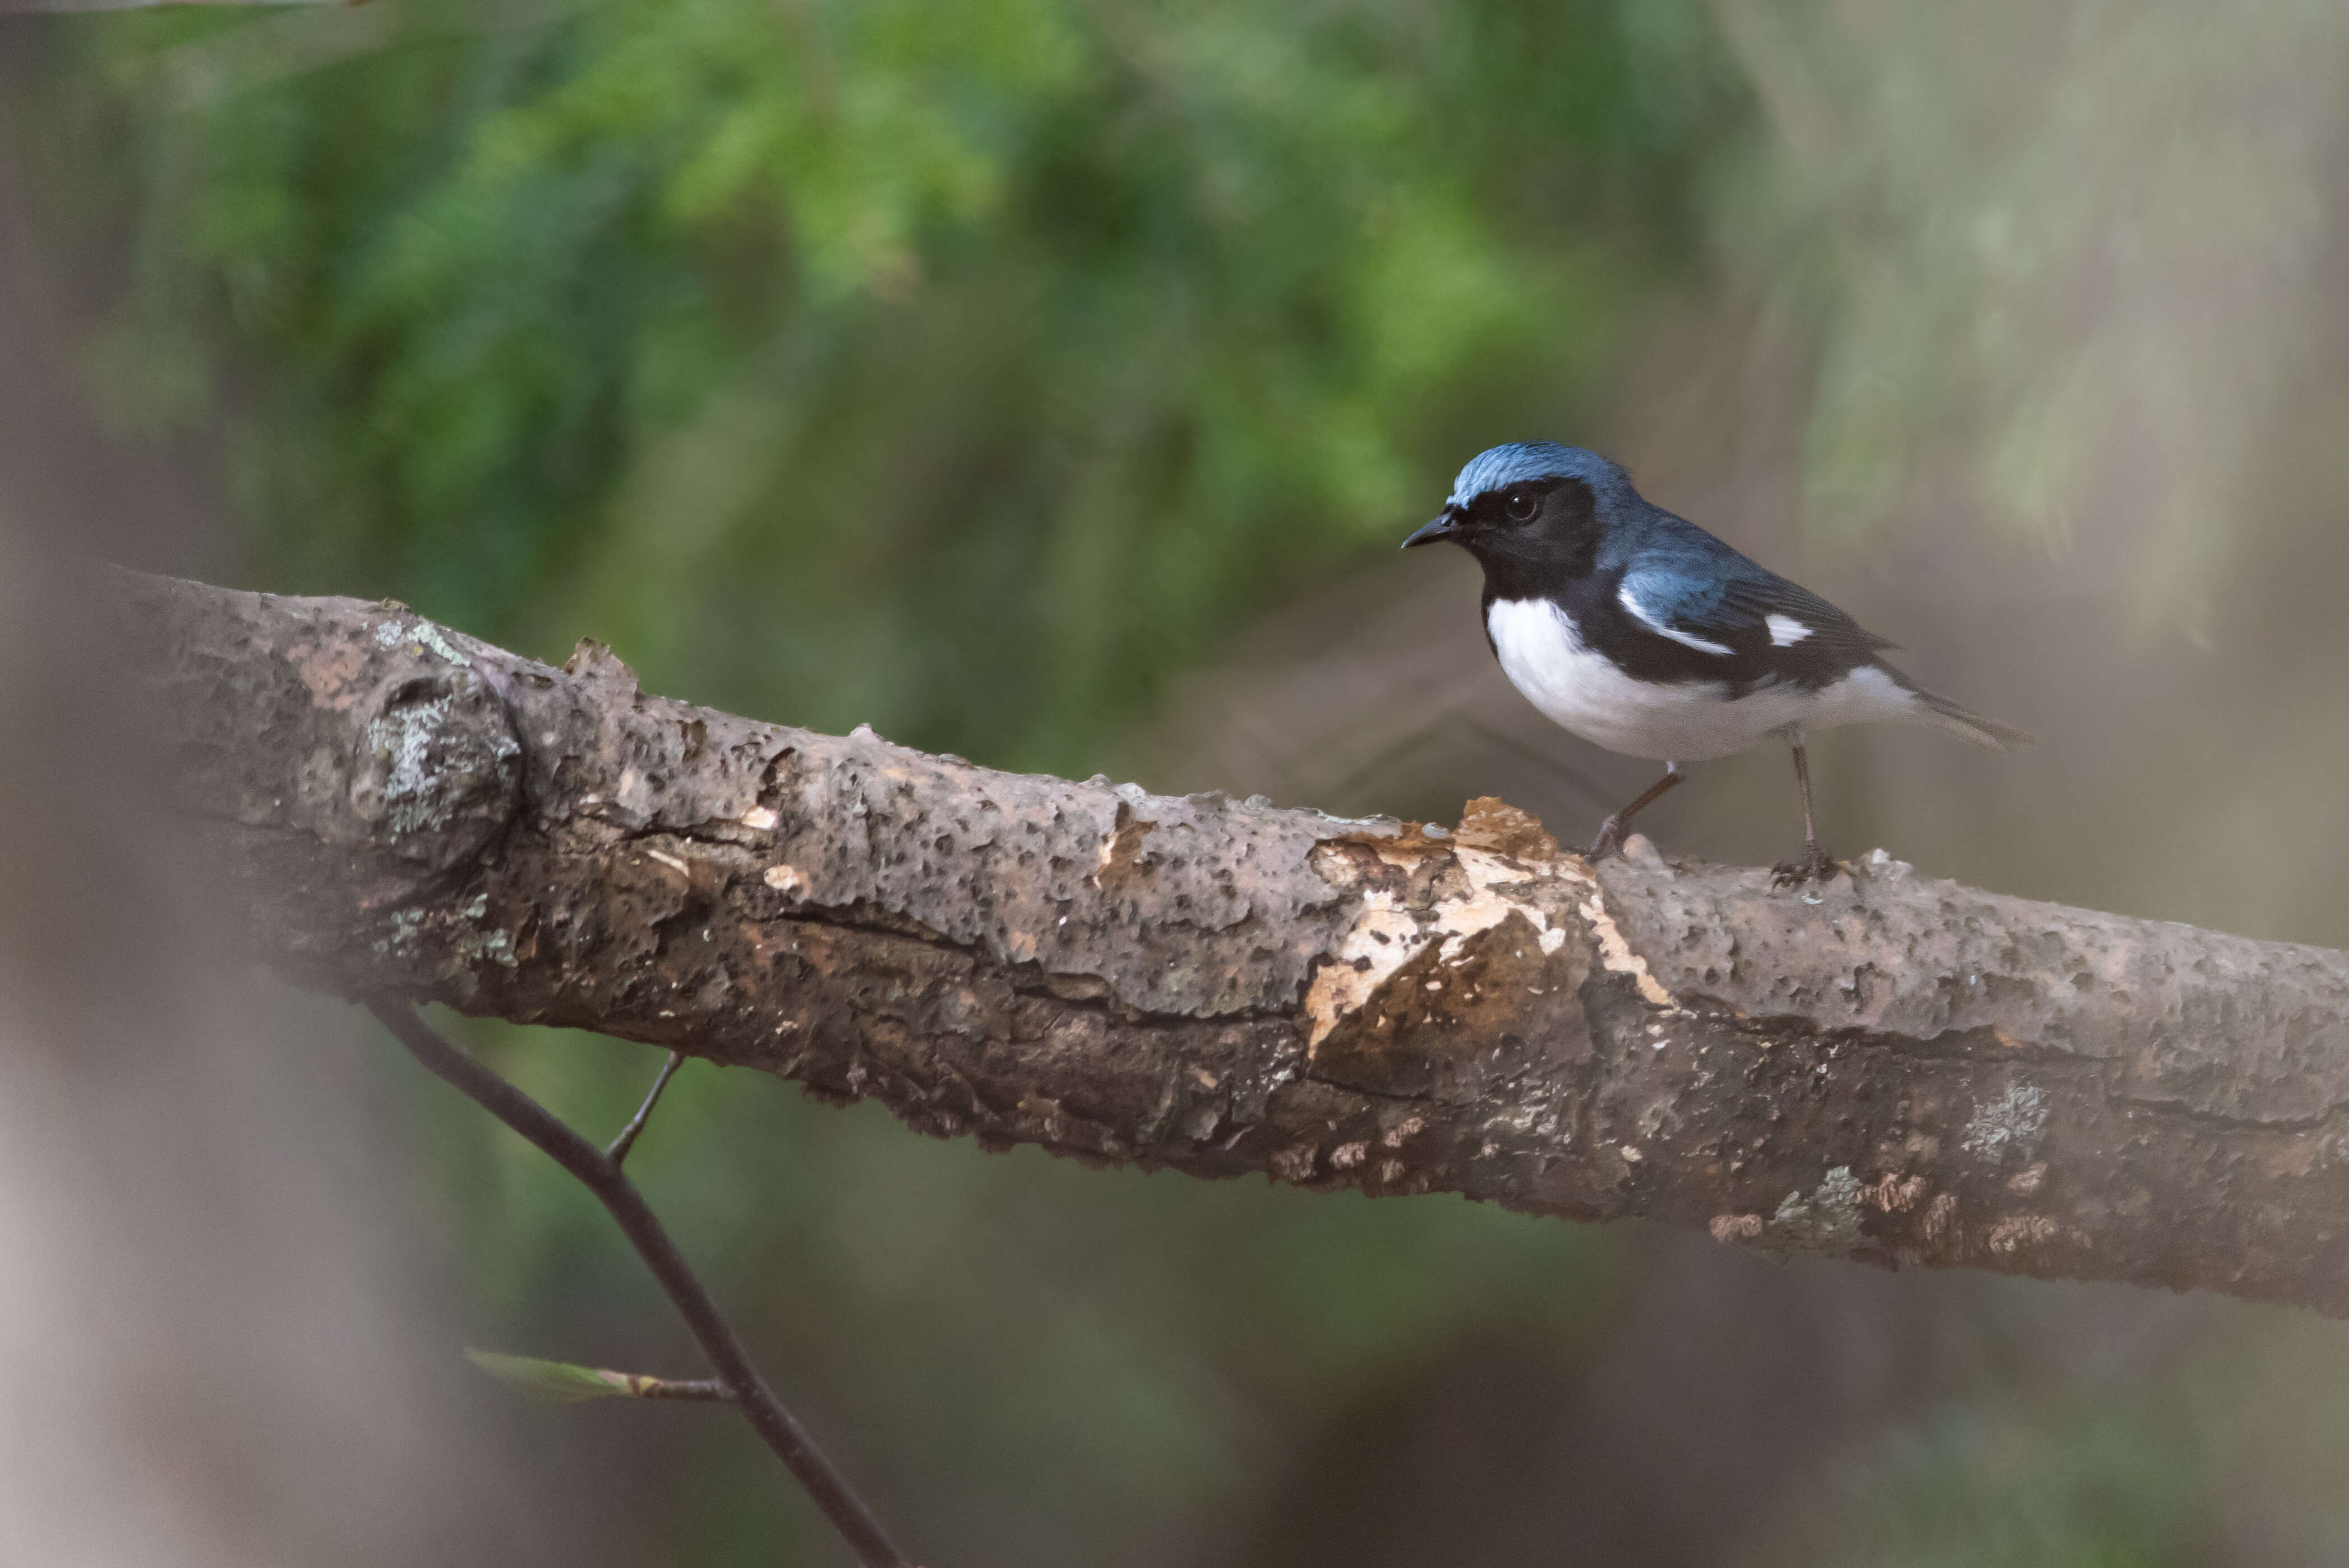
point(1636, 629)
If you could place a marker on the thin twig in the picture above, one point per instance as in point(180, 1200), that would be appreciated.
point(569, 1382)
point(643, 1388)
point(602, 1175)
point(628, 1138)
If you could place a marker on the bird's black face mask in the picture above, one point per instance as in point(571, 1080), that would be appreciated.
point(1522, 530)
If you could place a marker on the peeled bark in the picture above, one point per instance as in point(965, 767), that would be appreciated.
point(1887, 1067)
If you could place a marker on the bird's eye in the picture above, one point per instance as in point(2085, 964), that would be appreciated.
point(1521, 506)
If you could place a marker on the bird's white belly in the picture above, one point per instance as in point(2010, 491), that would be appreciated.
point(1690, 720)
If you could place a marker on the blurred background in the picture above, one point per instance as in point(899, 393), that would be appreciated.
point(1050, 382)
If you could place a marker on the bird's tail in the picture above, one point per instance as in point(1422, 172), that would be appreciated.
point(1944, 714)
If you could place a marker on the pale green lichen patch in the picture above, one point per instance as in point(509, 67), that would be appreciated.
point(403, 738)
point(474, 949)
point(1825, 1219)
point(471, 947)
point(401, 932)
point(390, 634)
point(2007, 1124)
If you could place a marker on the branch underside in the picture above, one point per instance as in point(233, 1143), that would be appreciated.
point(1889, 1067)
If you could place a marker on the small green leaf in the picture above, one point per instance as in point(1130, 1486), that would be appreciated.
point(560, 1381)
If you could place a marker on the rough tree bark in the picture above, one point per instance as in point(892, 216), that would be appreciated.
point(1890, 1068)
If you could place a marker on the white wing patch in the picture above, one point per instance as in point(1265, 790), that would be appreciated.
point(1623, 596)
point(1786, 630)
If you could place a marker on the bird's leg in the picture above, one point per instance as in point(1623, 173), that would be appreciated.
point(1610, 832)
point(1814, 863)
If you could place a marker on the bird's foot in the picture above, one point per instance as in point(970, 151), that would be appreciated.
point(1609, 840)
point(1815, 865)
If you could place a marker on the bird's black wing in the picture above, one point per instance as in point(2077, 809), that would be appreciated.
point(1759, 597)
point(1745, 625)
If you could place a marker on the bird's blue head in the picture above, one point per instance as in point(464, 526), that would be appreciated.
point(1532, 509)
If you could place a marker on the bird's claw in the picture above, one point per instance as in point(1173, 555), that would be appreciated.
point(1608, 841)
point(1815, 865)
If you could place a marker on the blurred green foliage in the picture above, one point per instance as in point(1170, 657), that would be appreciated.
point(960, 369)
point(965, 370)
point(2095, 1488)
point(2055, 257)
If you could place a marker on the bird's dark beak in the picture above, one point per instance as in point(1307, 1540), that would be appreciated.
point(1444, 527)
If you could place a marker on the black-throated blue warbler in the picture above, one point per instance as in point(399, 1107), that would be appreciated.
point(1636, 629)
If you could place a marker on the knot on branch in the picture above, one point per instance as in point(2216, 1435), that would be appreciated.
point(438, 768)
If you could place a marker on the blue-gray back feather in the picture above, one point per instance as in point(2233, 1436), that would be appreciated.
point(1684, 576)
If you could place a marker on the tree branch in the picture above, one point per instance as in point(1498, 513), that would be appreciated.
point(600, 1173)
point(618, 1152)
point(1892, 1067)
